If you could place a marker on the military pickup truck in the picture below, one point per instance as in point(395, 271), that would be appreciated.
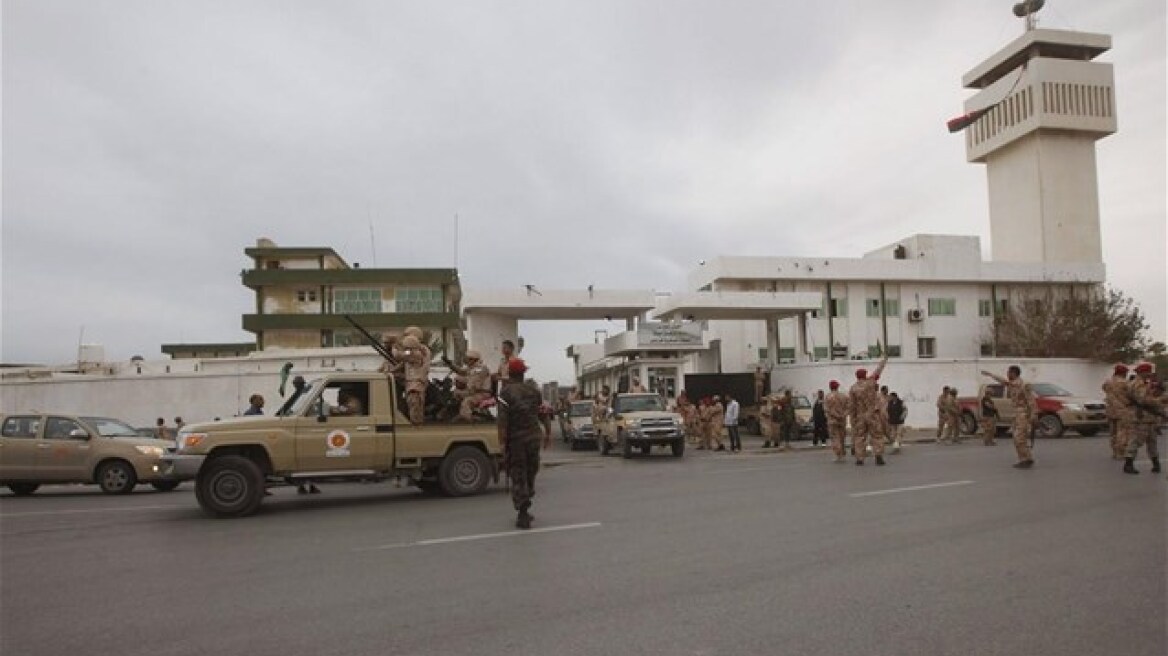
point(640, 421)
point(1058, 411)
point(341, 427)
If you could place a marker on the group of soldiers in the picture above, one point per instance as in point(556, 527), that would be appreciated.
point(948, 416)
point(704, 420)
point(1135, 411)
point(408, 359)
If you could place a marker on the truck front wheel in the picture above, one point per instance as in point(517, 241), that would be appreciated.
point(464, 471)
point(1050, 426)
point(230, 486)
point(968, 424)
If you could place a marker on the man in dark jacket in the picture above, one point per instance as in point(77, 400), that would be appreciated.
point(819, 421)
point(897, 413)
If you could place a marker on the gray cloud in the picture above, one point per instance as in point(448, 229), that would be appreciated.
point(147, 143)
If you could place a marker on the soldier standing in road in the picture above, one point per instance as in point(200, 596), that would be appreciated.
point(600, 405)
point(941, 400)
point(717, 420)
point(1115, 396)
point(837, 408)
point(865, 399)
point(989, 418)
point(689, 416)
point(1148, 412)
point(478, 383)
point(1025, 406)
point(786, 420)
point(523, 431)
point(953, 416)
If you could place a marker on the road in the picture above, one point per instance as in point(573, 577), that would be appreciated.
point(948, 550)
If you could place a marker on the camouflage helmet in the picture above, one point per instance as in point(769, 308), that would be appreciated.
point(415, 331)
point(473, 355)
point(411, 342)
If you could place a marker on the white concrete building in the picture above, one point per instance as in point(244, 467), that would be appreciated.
point(927, 296)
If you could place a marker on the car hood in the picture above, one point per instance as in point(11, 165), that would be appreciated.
point(1082, 400)
point(650, 414)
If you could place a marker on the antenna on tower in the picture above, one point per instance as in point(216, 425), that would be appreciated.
point(1027, 10)
point(372, 242)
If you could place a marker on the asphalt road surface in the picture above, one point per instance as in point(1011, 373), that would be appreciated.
point(948, 550)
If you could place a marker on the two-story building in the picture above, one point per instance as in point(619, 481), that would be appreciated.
point(302, 295)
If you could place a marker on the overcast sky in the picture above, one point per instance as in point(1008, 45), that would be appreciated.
point(147, 143)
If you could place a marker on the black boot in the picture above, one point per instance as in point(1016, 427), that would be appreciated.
point(1155, 465)
point(1129, 466)
point(880, 460)
point(523, 521)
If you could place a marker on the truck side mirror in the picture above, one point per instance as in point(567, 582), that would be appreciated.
point(78, 434)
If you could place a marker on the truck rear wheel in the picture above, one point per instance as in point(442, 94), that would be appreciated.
point(464, 471)
point(230, 486)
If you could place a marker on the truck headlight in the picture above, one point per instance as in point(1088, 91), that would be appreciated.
point(1074, 407)
point(190, 440)
point(150, 450)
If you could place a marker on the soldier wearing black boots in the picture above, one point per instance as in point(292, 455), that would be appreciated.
point(1147, 402)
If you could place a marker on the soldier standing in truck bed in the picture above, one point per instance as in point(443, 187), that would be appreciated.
point(523, 431)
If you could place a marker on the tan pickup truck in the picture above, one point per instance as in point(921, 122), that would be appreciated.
point(1058, 410)
point(342, 427)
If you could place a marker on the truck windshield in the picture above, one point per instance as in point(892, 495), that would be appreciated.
point(581, 409)
point(304, 400)
point(639, 403)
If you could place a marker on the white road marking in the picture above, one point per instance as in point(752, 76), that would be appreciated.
point(909, 489)
point(481, 536)
point(83, 512)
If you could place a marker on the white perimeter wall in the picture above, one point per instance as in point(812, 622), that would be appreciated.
point(919, 382)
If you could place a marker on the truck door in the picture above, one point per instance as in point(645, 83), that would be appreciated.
point(65, 453)
point(339, 434)
point(18, 447)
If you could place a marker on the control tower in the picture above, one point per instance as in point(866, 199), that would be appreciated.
point(1050, 102)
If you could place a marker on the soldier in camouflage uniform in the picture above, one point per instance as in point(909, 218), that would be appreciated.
point(1025, 406)
point(953, 416)
point(478, 384)
point(837, 408)
point(600, 405)
point(1148, 409)
point(1118, 406)
point(416, 358)
point(989, 418)
point(865, 400)
point(717, 418)
point(523, 430)
point(941, 413)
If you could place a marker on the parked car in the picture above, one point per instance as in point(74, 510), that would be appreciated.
point(55, 448)
point(581, 432)
point(1058, 411)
